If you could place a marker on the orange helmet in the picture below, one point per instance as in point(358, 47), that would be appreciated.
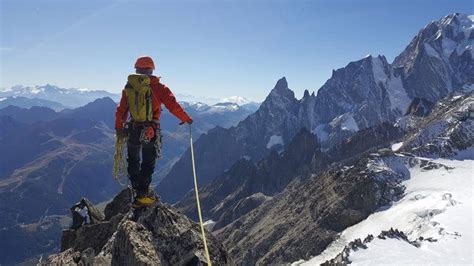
point(145, 62)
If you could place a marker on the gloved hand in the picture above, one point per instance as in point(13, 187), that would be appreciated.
point(189, 122)
point(120, 133)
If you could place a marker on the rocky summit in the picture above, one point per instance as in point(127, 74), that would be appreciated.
point(158, 235)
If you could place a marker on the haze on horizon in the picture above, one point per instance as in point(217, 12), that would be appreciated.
point(204, 48)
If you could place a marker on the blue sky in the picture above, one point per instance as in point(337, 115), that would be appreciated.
point(204, 48)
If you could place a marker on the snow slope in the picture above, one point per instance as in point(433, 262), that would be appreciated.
point(274, 140)
point(438, 203)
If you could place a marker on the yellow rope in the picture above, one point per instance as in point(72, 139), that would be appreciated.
point(197, 198)
point(119, 168)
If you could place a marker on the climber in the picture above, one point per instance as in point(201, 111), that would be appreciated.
point(142, 98)
point(80, 214)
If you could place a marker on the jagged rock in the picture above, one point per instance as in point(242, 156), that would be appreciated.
point(94, 235)
point(149, 236)
point(133, 246)
point(395, 233)
point(368, 239)
point(119, 204)
point(178, 239)
point(72, 257)
point(342, 258)
point(442, 133)
point(420, 107)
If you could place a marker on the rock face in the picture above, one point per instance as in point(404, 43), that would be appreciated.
point(136, 246)
point(308, 214)
point(439, 59)
point(446, 132)
point(246, 186)
point(152, 236)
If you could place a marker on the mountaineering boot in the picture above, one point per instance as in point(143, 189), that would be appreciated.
point(145, 199)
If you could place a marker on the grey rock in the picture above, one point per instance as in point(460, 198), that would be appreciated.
point(133, 246)
point(148, 236)
point(119, 204)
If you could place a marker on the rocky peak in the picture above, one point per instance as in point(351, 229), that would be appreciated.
point(440, 39)
point(158, 235)
point(305, 94)
point(439, 58)
point(280, 96)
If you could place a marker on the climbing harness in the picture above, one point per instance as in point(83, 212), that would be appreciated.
point(197, 197)
point(119, 168)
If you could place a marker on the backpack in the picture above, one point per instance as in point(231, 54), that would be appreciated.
point(139, 99)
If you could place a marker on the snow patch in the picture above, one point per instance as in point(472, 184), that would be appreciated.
point(397, 94)
point(321, 132)
point(346, 122)
point(274, 140)
point(36, 90)
point(349, 124)
point(379, 70)
point(224, 107)
point(209, 224)
point(448, 46)
point(431, 51)
point(438, 203)
point(397, 146)
point(235, 99)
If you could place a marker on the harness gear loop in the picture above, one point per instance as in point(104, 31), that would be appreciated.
point(197, 197)
point(147, 134)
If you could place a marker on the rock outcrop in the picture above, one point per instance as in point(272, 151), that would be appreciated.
point(342, 258)
point(158, 235)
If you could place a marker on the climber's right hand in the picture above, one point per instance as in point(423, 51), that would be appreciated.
point(189, 122)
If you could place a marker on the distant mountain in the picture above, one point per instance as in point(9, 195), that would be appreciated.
point(439, 59)
point(30, 115)
point(24, 102)
point(361, 95)
point(68, 97)
point(54, 158)
point(236, 99)
point(241, 101)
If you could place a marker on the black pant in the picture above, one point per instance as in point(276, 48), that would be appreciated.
point(140, 174)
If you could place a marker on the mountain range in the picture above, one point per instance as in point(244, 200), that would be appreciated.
point(71, 97)
point(378, 159)
point(56, 157)
point(360, 95)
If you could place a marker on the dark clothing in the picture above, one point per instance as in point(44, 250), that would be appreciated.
point(140, 173)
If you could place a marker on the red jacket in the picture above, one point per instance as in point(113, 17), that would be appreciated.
point(160, 94)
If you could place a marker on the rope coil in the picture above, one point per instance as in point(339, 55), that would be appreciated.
point(119, 168)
